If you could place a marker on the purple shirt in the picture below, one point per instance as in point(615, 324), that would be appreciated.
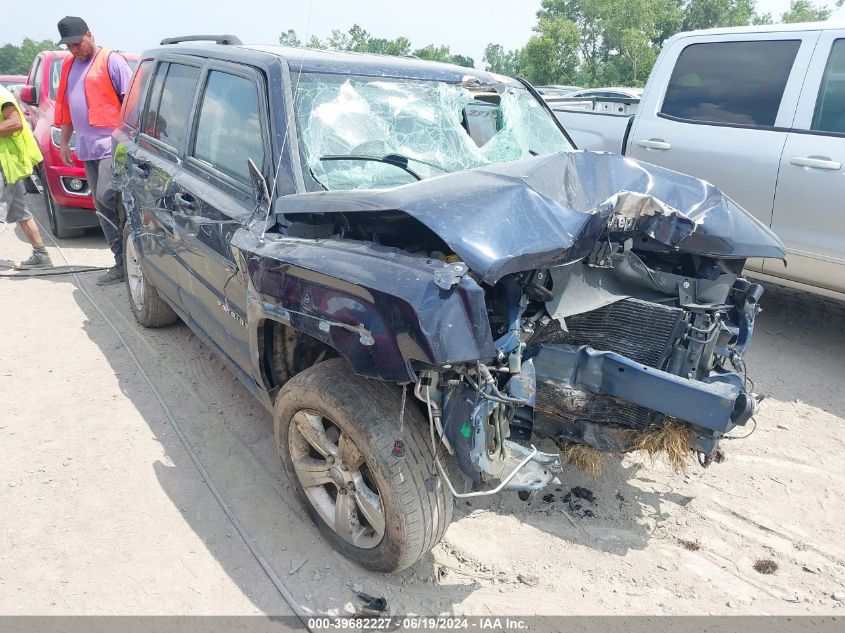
point(93, 143)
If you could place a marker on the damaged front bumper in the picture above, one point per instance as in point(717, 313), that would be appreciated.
point(712, 406)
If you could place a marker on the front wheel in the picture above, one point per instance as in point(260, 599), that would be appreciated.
point(366, 484)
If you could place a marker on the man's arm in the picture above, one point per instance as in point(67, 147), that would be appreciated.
point(64, 144)
point(11, 120)
point(120, 74)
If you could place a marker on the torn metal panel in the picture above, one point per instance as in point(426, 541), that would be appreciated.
point(551, 210)
point(579, 288)
point(379, 307)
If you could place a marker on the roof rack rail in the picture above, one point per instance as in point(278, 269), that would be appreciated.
point(217, 39)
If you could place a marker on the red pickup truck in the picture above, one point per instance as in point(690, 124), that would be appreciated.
point(67, 196)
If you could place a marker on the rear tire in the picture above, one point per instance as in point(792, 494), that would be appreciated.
point(149, 308)
point(54, 215)
point(358, 420)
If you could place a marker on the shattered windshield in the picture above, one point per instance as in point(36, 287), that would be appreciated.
point(376, 132)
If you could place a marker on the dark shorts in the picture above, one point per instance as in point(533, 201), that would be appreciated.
point(13, 207)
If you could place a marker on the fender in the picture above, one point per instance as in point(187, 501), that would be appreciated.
point(379, 307)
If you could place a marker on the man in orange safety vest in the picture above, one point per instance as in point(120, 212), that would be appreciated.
point(93, 83)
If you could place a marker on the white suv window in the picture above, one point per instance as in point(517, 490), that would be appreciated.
point(830, 107)
point(731, 82)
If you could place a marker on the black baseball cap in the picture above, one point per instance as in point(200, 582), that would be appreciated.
point(72, 29)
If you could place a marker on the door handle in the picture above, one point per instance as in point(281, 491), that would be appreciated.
point(141, 170)
point(185, 201)
point(654, 143)
point(816, 162)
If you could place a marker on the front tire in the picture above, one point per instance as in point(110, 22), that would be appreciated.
point(336, 434)
point(149, 308)
point(54, 214)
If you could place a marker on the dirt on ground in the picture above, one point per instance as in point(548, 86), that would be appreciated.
point(104, 512)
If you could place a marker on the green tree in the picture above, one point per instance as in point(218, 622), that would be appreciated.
point(400, 46)
point(16, 60)
point(637, 53)
point(434, 53)
point(338, 41)
point(668, 20)
point(359, 39)
point(551, 55)
point(806, 11)
point(462, 60)
point(708, 14)
point(496, 60)
point(590, 18)
point(314, 42)
point(289, 38)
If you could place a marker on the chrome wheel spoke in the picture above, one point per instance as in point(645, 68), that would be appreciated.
point(313, 472)
point(349, 454)
point(134, 275)
point(369, 506)
point(312, 429)
point(343, 520)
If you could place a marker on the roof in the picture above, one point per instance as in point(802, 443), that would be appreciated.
point(341, 62)
point(616, 88)
point(313, 60)
point(768, 28)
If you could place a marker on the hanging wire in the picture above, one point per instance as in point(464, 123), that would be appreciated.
point(288, 123)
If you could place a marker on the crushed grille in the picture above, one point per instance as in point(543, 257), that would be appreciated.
point(640, 330)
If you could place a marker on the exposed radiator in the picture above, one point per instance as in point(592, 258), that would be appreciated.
point(640, 330)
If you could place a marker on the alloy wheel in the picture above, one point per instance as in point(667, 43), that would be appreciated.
point(134, 275)
point(336, 479)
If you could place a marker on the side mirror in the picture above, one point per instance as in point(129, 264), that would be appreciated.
point(259, 184)
point(29, 95)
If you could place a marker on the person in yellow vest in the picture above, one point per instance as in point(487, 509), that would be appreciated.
point(18, 155)
point(93, 83)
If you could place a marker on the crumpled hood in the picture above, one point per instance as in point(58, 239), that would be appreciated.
point(551, 210)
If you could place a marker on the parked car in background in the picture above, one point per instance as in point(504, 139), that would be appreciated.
point(619, 101)
point(607, 93)
point(70, 209)
point(759, 112)
point(413, 271)
point(12, 80)
point(14, 83)
point(555, 90)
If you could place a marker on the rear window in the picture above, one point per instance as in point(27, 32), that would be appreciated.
point(830, 106)
point(731, 82)
point(170, 103)
point(132, 106)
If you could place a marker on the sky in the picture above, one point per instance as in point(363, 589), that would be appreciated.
point(466, 27)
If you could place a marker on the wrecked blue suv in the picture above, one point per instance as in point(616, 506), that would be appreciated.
point(415, 271)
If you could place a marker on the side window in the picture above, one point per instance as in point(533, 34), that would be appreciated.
point(830, 106)
point(229, 126)
point(731, 82)
point(35, 79)
point(132, 103)
point(55, 77)
point(170, 106)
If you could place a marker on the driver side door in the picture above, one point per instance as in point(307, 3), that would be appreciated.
point(213, 198)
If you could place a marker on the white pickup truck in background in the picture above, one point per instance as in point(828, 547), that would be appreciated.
point(760, 113)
